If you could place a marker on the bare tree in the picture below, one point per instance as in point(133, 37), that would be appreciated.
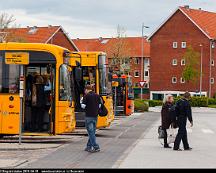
point(7, 23)
point(6, 20)
point(119, 52)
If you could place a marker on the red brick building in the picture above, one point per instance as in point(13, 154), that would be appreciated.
point(50, 34)
point(133, 50)
point(185, 27)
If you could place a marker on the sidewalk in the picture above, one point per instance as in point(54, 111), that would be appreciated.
point(149, 153)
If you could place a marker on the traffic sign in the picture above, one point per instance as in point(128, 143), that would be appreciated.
point(142, 83)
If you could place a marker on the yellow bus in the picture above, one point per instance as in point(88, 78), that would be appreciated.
point(47, 101)
point(95, 72)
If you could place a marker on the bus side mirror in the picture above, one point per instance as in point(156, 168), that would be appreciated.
point(78, 74)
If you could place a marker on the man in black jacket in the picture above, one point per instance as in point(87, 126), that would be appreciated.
point(184, 113)
point(91, 103)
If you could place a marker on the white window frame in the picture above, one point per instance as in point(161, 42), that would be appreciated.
point(175, 45)
point(147, 61)
point(148, 73)
point(174, 62)
point(173, 80)
point(182, 60)
point(182, 80)
point(135, 61)
point(212, 80)
point(135, 71)
point(212, 62)
point(183, 44)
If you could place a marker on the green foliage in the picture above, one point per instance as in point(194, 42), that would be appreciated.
point(211, 101)
point(191, 71)
point(140, 106)
point(196, 101)
point(153, 103)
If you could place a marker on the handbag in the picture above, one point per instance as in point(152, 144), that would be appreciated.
point(102, 110)
point(161, 133)
point(171, 135)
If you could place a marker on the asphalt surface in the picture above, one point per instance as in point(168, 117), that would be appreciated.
point(116, 143)
point(202, 138)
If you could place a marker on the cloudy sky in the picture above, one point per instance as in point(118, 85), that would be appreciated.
point(97, 18)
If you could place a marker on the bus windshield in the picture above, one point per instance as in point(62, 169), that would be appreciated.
point(104, 84)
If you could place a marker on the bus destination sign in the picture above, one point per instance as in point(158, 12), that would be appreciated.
point(21, 58)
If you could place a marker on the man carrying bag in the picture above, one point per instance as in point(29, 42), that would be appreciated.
point(91, 103)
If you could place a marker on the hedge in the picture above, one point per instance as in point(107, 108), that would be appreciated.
point(153, 103)
point(211, 101)
point(140, 106)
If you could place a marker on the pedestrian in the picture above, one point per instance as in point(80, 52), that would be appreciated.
point(166, 117)
point(91, 103)
point(184, 112)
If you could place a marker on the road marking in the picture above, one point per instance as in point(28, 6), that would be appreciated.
point(207, 131)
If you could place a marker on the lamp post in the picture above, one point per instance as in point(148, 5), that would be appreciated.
point(142, 56)
point(201, 62)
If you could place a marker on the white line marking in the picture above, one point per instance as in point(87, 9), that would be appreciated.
point(207, 131)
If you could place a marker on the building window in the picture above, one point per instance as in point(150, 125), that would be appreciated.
point(213, 45)
point(175, 45)
point(146, 85)
point(174, 80)
point(136, 73)
point(146, 74)
point(182, 80)
point(146, 61)
point(136, 60)
point(174, 62)
point(183, 62)
point(212, 62)
point(212, 80)
point(183, 45)
point(136, 84)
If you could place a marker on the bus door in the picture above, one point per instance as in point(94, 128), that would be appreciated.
point(9, 97)
point(39, 98)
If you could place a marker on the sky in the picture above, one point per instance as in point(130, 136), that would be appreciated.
point(98, 18)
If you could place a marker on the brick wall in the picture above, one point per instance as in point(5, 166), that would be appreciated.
point(61, 40)
point(178, 29)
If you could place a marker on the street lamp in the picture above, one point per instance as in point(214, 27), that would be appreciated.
point(201, 62)
point(142, 57)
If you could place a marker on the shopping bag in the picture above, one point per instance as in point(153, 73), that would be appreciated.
point(171, 135)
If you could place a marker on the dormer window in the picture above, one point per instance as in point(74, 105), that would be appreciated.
point(33, 30)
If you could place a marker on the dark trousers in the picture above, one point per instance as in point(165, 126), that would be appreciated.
point(37, 119)
point(182, 134)
point(165, 137)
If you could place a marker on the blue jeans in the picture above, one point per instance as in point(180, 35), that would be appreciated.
point(91, 129)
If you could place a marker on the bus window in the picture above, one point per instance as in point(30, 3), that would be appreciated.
point(105, 84)
point(1, 61)
point(64, 89)
point(13, 79)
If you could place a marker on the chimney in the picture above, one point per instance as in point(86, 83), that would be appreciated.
point(187, 6)
point(200, 8)
point(100, 38)
point(49, 26)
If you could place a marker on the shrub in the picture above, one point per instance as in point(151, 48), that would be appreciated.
point(196, 101)
point(153, 103)
point(211, 101)
point(140, 106)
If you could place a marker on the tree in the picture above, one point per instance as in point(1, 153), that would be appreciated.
point(191, 71)
point(119, 51)
point(7, 22)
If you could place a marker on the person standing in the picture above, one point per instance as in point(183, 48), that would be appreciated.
point(91, 103)
point(166, 117)
point(184, 112)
